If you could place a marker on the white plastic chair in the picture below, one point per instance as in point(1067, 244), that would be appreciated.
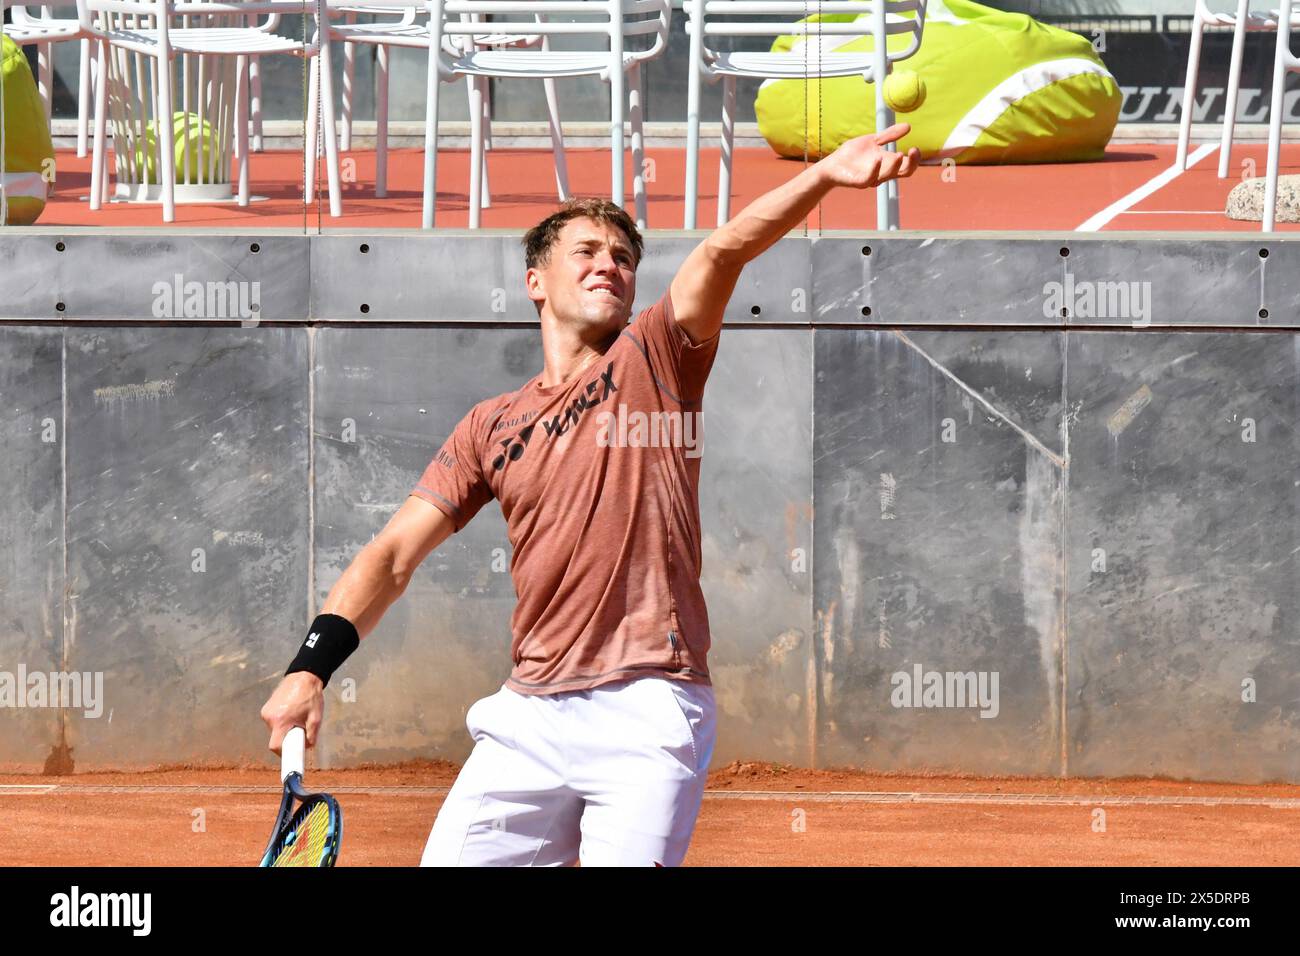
point(214, 45)
point(612, 20)
point(255, 83)
point(404, 31)
point(1284, 62)
point(43, 29)
point(458, 46)
point(406, 18)
point(1241, 23)
point(876, 18)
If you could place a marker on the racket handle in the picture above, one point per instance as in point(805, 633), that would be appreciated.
point(292, 753)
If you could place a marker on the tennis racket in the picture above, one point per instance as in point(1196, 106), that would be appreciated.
point(310, 835)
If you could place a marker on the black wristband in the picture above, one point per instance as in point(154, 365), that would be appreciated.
point(328, 644)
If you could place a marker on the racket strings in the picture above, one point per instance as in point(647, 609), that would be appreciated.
point(309, 839)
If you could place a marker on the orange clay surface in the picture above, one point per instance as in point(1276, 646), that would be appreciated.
point(753, 815)
point(1051, 197)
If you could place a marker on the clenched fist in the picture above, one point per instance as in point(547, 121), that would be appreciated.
point(298, 701)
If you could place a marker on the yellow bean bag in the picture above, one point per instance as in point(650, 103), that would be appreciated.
point(188, 134)
point(28, 152)
point(1001, 88)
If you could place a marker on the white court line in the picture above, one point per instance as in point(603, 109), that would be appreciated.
point(21, 788)
point(1146, 189)
point(1005, 799)
point(796, 796)
point(90, 789)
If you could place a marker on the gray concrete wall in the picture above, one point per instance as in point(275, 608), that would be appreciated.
point(973, 455)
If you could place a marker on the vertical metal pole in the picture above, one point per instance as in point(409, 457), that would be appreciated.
point(616, 94)
point(695, 29)
point(1275, 124)
point(431, 117)
point(884, 115)
point(1189, 88)
point(1234, 88)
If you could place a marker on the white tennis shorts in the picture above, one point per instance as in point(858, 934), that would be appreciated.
point(609, 777)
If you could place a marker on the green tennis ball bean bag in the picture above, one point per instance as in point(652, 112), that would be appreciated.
point(28, 152)
point(1000, 88)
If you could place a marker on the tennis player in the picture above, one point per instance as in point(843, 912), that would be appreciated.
point(596, 748)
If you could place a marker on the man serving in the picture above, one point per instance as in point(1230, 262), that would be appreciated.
point(597, 747)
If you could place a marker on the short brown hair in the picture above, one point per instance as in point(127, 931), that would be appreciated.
point(539, 239)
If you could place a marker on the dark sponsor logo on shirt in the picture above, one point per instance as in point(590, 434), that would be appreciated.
point(562, 422)
point(514, 447)
point(444, 459)
point(521, 419)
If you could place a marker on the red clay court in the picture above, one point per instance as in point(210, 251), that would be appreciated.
point(753, 815)
point(1133, 189)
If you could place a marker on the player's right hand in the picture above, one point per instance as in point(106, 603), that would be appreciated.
point(298, 701)
point(863, 162)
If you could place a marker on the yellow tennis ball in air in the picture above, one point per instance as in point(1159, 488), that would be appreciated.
point(904, 91)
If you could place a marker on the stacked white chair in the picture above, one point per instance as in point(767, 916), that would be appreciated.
point(405, 14)
point(613, 21)
point(458, 46)
point(810, 59)
point(43, 29)
point(202, 48)
point(1241, 23)
point(397, 26)
point(1284, 61)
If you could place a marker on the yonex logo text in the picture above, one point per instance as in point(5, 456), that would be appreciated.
point(559, 424)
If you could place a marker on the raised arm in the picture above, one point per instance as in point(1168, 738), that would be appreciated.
point(377, 577)
point(703, 285)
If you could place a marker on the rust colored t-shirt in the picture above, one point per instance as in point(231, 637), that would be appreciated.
point(598, 480)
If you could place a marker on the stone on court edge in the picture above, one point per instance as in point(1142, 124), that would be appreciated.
point(1246, 201)
point(904, 91)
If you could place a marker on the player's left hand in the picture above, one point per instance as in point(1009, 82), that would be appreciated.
point(863, 162)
